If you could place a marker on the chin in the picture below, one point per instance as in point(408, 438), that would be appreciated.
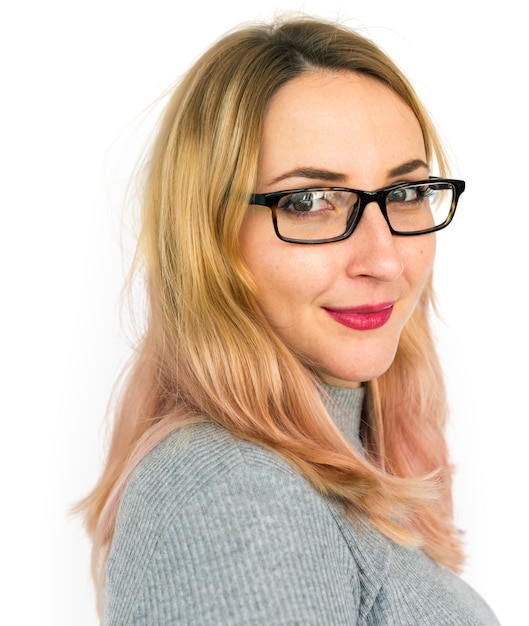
point(350, 378)
point(354, 371)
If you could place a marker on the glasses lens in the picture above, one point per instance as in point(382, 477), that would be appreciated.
point(314, 214)
point(414, 208)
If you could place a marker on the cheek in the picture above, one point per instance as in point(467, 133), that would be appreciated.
point(285, 280)
point(274, 272)
point(288, 278)
point(419, 259)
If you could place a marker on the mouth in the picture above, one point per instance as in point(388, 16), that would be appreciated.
point(368, 317)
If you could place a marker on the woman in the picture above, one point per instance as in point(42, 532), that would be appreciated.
point(278, 456)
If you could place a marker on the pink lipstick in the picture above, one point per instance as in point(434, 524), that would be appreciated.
point(366, 317)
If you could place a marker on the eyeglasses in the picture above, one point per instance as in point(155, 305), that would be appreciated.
point(327, 214)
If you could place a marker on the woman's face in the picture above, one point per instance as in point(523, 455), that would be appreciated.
point(340, 306)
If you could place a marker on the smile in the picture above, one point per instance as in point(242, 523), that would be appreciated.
point(367, 317)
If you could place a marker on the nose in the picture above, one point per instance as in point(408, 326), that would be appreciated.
point(373, 250)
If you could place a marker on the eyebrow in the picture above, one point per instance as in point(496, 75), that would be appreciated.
point(408, 168)
point(312, 172)
point(337, 177)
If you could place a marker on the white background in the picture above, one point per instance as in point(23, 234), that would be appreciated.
point(76, 80)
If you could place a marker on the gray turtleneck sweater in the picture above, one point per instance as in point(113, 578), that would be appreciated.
point(213, 530)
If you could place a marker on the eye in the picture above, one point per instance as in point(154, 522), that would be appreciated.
point(406, 195)
point(304, 202)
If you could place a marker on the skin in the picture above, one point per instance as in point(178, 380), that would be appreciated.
point(356, 133)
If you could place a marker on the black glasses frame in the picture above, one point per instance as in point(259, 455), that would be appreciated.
point(271, 201)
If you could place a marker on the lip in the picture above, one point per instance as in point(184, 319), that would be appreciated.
point(366, 317)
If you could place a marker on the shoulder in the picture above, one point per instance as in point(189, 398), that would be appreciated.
point(211, 523)
point(198, 458)
point(203, 471)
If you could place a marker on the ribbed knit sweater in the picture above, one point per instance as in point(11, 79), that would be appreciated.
point(213, 530)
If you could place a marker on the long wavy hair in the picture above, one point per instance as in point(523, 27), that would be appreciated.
point(208, 352)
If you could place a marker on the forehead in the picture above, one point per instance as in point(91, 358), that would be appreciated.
point(345, 122)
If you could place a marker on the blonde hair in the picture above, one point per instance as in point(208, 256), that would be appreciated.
point(208, 350)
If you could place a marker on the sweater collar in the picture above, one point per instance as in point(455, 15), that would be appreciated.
point(344, 405)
